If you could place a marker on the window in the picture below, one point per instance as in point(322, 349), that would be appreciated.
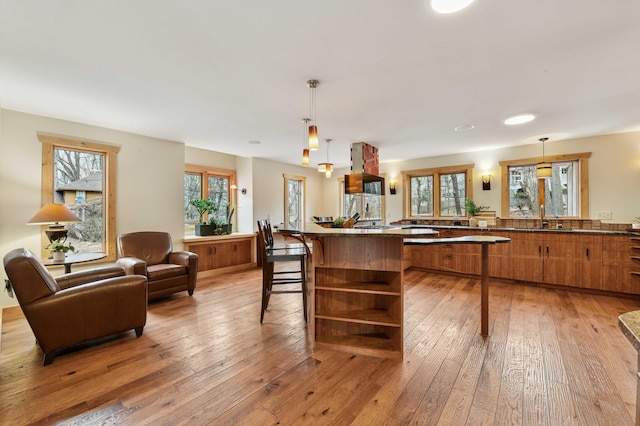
point(81, 175)
point(438, 192)
point(294, 193)
point(369, 206)
point(213, 184)
point(565, 192)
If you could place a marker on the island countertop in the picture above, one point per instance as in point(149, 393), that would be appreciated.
point(313, 229)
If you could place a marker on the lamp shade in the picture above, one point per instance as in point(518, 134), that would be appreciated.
point(544, 170)
point(53, 213)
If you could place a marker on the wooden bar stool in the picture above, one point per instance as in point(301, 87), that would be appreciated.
point(272, 276)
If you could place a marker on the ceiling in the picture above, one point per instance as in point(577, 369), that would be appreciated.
point(221, 74)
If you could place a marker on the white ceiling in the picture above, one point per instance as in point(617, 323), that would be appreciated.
point(218, 74)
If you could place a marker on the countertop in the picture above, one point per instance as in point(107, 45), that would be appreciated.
point(545, 230)
point(630, 325)
point(314, 229)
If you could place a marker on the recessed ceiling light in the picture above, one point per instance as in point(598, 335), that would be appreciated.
point(255, 142)
point(519, 119)
point(449, 6)
point(464, 128)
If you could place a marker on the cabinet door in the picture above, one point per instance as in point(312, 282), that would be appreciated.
point(205, 255)
point(242, 252)
point(526, 257)
point(591, 253)
point(617, 265)
point(562, 261)
point(223, 254)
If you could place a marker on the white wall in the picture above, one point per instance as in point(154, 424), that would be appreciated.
point(268, 189)
point(149, 187)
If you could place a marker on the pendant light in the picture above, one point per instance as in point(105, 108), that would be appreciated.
point(544, 169)
point(313, 129)
point(327, 167)
point(305, 146)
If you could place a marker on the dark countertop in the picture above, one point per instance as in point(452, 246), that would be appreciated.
point(313, 229)
point(545, 230)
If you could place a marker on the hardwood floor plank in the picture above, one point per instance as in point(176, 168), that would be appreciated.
point(552, 357)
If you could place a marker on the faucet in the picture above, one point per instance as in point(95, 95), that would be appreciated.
point(543, 222)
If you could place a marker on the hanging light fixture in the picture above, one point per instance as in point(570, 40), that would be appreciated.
point(305, 146)
point(327, 167)
point(544, 169)
point(313, 129)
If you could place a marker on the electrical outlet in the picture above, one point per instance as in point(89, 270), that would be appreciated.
point(603, 215)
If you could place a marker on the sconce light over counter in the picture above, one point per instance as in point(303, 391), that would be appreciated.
point(486, 182)
point(393, 186)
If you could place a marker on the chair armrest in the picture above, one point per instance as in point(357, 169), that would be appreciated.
point(88, 311)
point(82, 277)
point(133, 265)
point(184, 258)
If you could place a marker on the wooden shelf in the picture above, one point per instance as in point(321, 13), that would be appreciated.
point(365, 316)
point(358, 302)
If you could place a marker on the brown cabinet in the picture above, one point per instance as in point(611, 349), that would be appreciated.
point(223, 254)
point(557, 258)
point(620, 264)
point(459, 258)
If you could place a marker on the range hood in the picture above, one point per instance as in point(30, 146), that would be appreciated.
point(364, 177)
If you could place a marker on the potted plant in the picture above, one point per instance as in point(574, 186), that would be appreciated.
point(59, 249)
point(204, 206)
point(338, 222)
point(473, 209)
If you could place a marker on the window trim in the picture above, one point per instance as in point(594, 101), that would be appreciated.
point(583, 192)
point(436, 172)
point(49, 143)
point(204, 173)
point(285, 187)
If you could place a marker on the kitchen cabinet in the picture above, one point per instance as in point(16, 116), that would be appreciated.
point(620, 264)
point(567, 259)
point(459, 258)
point(223, 253)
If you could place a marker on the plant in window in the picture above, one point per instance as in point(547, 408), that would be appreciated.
point(472, 208)
point(203, 206)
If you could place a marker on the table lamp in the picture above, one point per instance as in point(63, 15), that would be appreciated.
point(53, 214)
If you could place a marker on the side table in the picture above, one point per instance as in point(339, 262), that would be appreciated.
point(70, 259)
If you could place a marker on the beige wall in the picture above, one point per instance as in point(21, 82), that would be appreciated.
point(614, 174)
point(149, 180)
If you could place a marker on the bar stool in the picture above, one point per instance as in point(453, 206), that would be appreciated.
point(272, 276)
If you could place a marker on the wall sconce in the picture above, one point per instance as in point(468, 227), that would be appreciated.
point(393, 185)
point(486, 182)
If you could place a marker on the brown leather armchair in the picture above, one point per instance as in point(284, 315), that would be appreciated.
point(151, 254)
point(77, 307)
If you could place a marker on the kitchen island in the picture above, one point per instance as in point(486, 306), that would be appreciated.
point(356, 291)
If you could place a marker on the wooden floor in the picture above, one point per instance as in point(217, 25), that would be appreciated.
point(554, 357)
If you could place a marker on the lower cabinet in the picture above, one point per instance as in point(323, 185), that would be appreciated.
point(223, 254)
point(621, 264)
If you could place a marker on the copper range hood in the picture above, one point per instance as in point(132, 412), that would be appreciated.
point(364, 177)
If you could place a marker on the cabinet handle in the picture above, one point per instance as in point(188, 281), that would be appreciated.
point(587, 252)
point(215, 250)
point(210, 250)
point(547, 250)
point(448, 256)
point(539, 250)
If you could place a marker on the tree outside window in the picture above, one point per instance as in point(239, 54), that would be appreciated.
point(294, 199)
point(82, 175)
point(213, 184)
point(566, 192)
point(438, 192)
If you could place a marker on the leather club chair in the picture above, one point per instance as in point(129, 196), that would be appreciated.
point(151, 254)
point(78, 307)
